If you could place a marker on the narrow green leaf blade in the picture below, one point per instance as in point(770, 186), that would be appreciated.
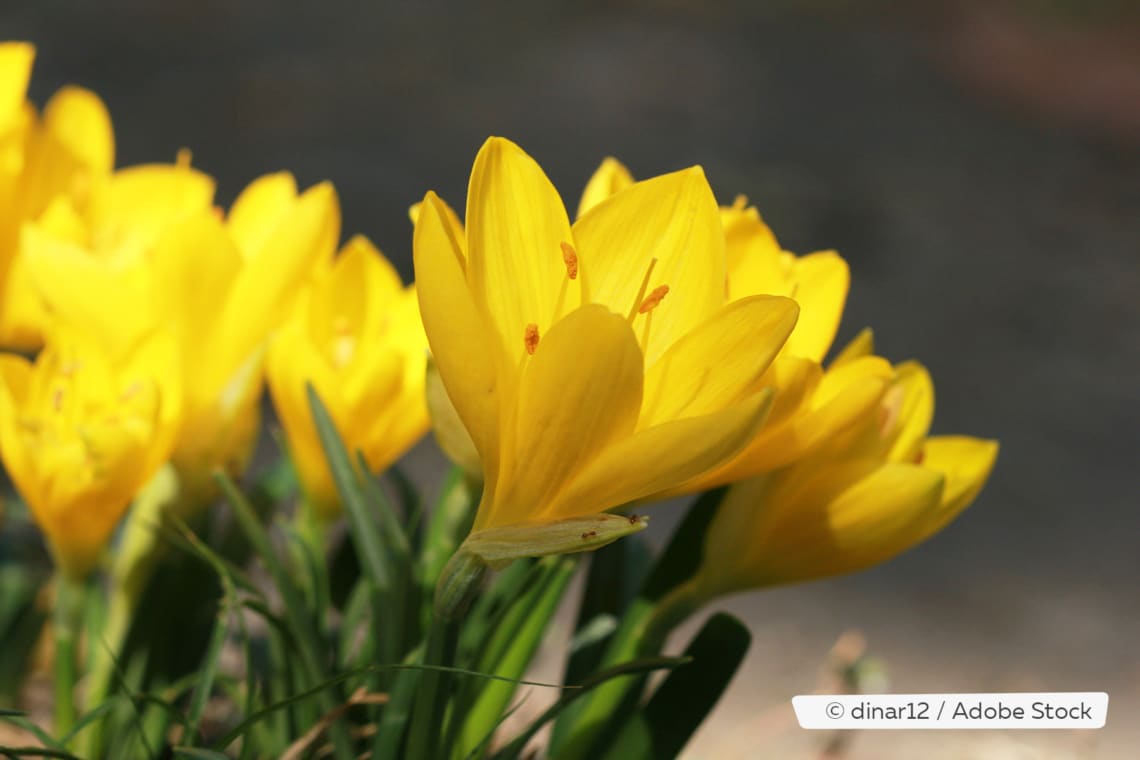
point(687, 695)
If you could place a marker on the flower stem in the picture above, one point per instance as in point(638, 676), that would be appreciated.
point(67, 617)
point(458, 584)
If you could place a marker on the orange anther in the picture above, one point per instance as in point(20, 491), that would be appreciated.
point(570, 259)
point(530, 338)
point(654, 298)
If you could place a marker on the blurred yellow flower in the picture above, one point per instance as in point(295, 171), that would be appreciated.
point(152, 251)
point(809, 406)
point(63, 152)
point(596, 364)
point(80, 435)
point(356, 336)
point(867, 495)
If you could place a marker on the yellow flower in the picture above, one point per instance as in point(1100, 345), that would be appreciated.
point(869, 494)
point(80, 435)
point(63, 152)
point(152, 251)
point(592, 364)
point(356, 336)
point(809, 407)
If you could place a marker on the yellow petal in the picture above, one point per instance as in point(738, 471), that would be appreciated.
point(79, 120)
point(157, 359)
point(755, 262)
point(266, 286)
point(822, 280)
point(22, 315)
point(516, 225)
point(139, 202)
point(910, 403)
point(450, 434)
point(290, 365)
point(112, 300)
point(674, 219)
point(194, 264)
point(462, 340)
point(813, 523)
point(15, 385)
point(610, 177)
point(452, 220)
point(842, 399)
point(720, 362)
point(966, 463)
point(580, 393)
point(259, 209)
point(73, 150)
point(15, 71)
point(861, 345)
point(653, 462)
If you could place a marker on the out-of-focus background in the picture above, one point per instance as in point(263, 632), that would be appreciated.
point(978, 164)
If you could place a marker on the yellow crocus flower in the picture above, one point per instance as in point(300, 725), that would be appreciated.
point(64, 151)
point(592, 364)
point(356, 336)
point(152, 251)
point(279, 239)
point(80, 435)
point(810, 406)
point(871, 493)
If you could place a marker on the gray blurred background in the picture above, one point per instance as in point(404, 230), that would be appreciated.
point(976, 163)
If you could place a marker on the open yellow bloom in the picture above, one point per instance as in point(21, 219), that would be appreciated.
point(152, 251)
point(871, 493)
point(810, 407)
point(592, 364)
point(356, 336)
point(80, 435)
point(63, 152)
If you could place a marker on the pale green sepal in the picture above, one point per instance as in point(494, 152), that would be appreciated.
point(498, 547)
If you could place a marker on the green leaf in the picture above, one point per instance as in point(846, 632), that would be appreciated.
point(450, 521)
point(198, 754)
point(685, 698)
point(375, 560)
point(275, 707)
point(301, 625)
point(514, 644)
point(682, 555)
point(634, 667)
point(37, 752)
point(17, 719)
point(615, 574)
point(394, 717)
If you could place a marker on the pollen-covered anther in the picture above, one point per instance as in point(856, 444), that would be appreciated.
point(653, 299)
point(570, 259)
point(530, 338)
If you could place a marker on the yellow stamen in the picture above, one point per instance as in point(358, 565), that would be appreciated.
point(530, 338)
point(183, 158)
point(570, 259)
point(740, 203)
point(650, 303)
